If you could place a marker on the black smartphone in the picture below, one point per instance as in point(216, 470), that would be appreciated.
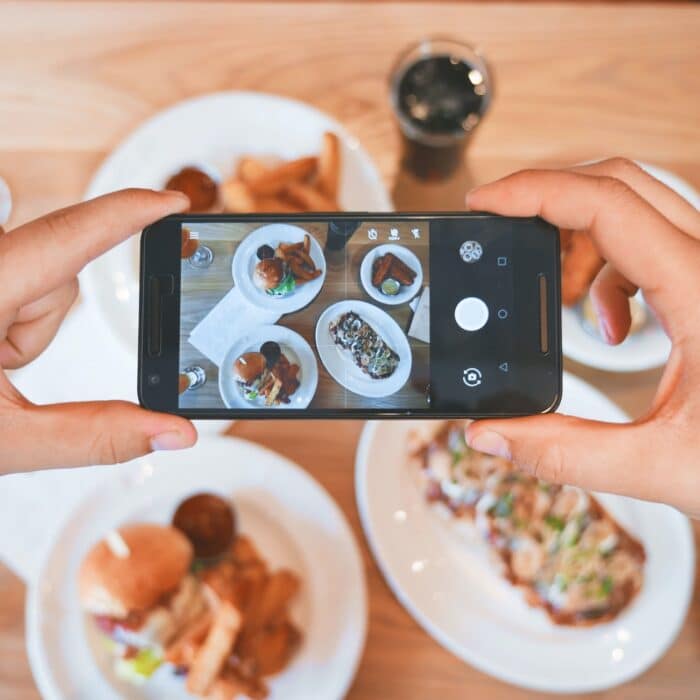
point(350, 315)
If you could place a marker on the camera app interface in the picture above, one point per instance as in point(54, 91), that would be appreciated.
point(305, 315)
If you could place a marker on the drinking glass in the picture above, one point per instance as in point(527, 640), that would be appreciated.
point(197, 254)
point(440, 91)
point(191, 378)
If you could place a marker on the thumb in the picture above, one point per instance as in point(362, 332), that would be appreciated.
point(567, 450)
point(78, 434)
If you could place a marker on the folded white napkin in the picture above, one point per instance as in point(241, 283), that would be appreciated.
point(223, 325)
point(420, 323)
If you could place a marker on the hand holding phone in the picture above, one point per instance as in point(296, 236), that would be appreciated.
point(650, 237)
point(39, 263)
point(350, 315)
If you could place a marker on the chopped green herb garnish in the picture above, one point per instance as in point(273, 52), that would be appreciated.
point(561, 582)
point(555, 522)
point(571, 533)
point(458, 446)
point(606, 586)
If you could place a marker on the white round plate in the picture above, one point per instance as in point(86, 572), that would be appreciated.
point(441, 572)
point(297, 350)
point(245, 260)
point(648, 348)
point(406, 293)
point(291, 519)
point(213, 131)
point(339, 362)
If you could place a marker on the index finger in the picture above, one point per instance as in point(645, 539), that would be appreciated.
point(678, 210)
point(48, 252)
point(641, 243)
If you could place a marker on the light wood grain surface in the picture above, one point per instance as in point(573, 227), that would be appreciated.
point(573, 82)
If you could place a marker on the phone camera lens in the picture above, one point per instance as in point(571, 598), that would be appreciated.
point(154, 379)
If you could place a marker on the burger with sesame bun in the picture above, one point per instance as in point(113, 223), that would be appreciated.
point(137, 586)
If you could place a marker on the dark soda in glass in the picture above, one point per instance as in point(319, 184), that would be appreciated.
point(440, 91)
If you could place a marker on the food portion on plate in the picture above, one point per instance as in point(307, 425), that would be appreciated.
point(267, 185)
point(199, 186)
point(557, 543)
point(269, 367)
point(279, 267)
point(304, 184)
point(390, 273)
point(196, 597)
point(267, 376)
point(367, 349)
point(279, 271)
point(138, 586)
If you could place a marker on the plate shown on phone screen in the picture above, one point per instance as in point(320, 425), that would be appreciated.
point(245, 260)
point(293, 346)
point(339, 362)
point(406, 256)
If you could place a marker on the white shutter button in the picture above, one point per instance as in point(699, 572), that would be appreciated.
point(471, 314)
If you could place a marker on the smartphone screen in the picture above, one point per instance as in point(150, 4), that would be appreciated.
point(364, 315)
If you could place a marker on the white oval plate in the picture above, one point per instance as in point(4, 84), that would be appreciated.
point(213, 131)
point(245, 260)
point(339, 363)
point(405, 255)
point(292, 520)
point(648, 348)
point(441, 573)
point(293, 346)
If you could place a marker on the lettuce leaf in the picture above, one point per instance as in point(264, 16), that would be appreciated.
point(286, 286)
point(139, 668)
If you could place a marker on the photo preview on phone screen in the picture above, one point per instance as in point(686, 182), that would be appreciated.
point(307, 314)
point(406, 315)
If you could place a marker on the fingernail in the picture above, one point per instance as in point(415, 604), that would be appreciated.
point(176, 193)
point(169, 441)
point(470, 194)
point(491, 444)
point(605, 328)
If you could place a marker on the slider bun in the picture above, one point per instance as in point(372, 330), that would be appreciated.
point(249, 366)
point(269, 273)
point(159, 558)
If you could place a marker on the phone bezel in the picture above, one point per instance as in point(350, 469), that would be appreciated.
point(160, 255)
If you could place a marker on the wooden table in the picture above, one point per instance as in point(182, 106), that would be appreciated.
point(572, 83)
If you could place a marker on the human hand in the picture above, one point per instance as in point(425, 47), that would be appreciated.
point(650, 238)
point(39, 263)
